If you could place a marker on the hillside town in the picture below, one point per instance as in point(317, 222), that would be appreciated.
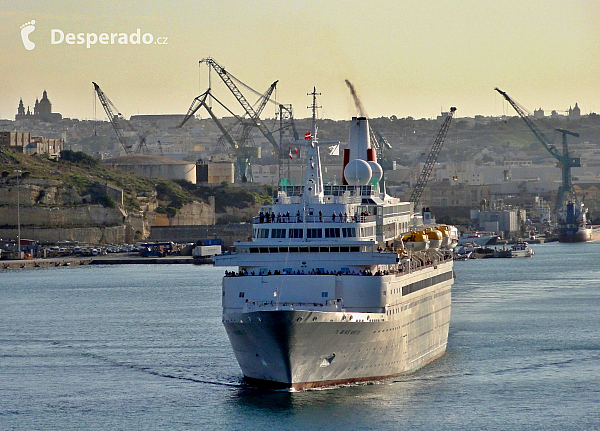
point(492, 174)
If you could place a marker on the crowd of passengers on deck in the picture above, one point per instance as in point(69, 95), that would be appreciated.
point(287, 218)
point(403, 267)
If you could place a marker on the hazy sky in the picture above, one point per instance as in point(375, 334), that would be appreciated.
point(406, 58)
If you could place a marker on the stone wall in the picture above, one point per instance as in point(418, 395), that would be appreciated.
point(84, 235)
point(65, 217)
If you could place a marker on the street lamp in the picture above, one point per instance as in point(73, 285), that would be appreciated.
point(18, 172)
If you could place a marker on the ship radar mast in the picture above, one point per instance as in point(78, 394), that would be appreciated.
point(313, 175)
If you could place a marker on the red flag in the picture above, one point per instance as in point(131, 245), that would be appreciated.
point(307, 136)
point(291, 158)
point(295, 150)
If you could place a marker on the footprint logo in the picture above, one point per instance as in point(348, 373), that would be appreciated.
point(26, 30)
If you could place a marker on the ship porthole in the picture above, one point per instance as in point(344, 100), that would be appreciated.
point(314, 318)
point(299, 319)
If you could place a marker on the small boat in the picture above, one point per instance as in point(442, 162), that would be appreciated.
point(463, 252)
point(519, 249)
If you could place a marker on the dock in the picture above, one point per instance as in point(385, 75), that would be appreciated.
point(133, 259)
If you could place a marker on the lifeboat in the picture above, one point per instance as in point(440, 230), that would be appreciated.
point(450, 236)
point(435, 237)
point(445, 235)
point(416, 241)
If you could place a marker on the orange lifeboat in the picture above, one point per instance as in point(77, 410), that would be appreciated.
point(435, 237)
point(450, 236)
point(416, 241)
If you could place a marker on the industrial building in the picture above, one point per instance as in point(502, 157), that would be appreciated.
point(155, 167)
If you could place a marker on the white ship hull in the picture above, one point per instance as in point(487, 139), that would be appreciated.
point(284, 347)
point(326, 292)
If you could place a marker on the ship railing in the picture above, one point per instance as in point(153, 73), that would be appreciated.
point(299, 218)
point(405, 266)
point(331, 305)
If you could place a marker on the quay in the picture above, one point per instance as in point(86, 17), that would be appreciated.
point(133, 259)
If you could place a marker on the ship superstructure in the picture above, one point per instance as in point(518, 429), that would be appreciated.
point(340, 283)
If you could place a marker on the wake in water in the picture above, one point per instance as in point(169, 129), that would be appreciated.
point(147, 370)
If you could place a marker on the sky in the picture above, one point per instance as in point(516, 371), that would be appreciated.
point(405, 58)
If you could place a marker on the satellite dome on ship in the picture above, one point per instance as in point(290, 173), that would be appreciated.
point(358, 172)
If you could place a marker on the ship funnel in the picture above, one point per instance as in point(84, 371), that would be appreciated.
point(359, 141)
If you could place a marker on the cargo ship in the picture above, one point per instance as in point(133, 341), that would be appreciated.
point(339, 283)
point(573, 225)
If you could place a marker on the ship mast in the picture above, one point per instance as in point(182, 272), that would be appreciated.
point(313, 175)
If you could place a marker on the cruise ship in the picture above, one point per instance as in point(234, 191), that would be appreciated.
point(339, 283)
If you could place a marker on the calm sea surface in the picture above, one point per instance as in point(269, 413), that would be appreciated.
point(142, 347)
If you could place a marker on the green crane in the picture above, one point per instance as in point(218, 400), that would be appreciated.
point(565, 161)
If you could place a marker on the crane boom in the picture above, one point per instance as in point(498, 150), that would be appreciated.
point(110, 110)
point(227, 79)
point(199, 102)
point(118, 121)
point(263, 102)
point(565, 161)
point(415, 197)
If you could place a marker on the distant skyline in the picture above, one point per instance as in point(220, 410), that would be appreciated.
point(405, 58)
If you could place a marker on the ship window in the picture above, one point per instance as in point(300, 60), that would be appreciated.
point(349, 232)
point(303, 249)
point(273, 249)
point(278, 233)
point(264, 250)
point(253, 250)
point(263, 233)
point(367, 231)
point(332, 232)
point(355, 249)
point(242, 294)
point(324, 249)
point(324, 294)
point(295, 233)
point(283, 249)
point(334, 249)
point(314, 249)
point(314, 233)
point(344, 249)
point(293, 249)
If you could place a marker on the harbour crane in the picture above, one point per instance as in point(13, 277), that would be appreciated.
point(242, 152)
point(118, 123)
point(565, 161)
point(229, 79)
point(415, 197)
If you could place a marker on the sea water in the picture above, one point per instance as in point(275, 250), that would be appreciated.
point(142, 347)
